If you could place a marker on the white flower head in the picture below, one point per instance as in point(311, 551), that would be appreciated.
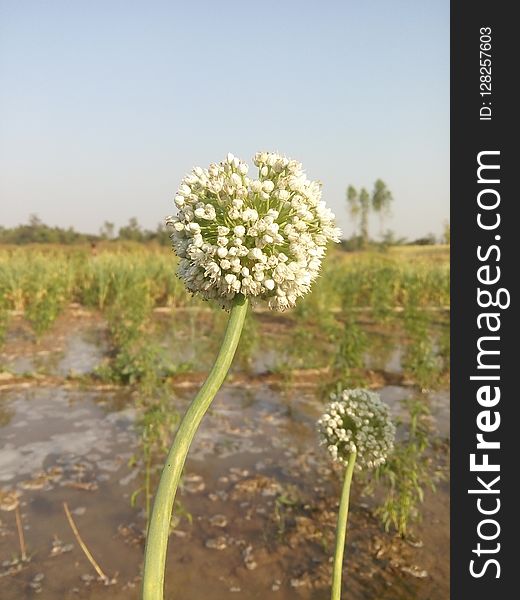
point(264, 238)
point(357, 421)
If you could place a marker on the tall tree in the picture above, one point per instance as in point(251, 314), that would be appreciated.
point(353, 203)
point(131, 231)
point(381, 201)
point(361, 203)
point(359, 208)
point(364, 203)
point(107, 230)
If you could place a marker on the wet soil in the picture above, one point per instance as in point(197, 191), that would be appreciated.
point(259, 498)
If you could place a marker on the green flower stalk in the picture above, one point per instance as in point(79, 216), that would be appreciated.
point(358, 433)
point(159, 528)
point(341, 529)
point(238, 239)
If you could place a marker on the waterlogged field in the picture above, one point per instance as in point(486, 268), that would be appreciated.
point(100, 355)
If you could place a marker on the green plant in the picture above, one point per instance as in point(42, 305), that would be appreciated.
point(46, 291)
point(350, 354)
point(179, 513)
point(249, 341)
point(407, 472)
point(3, 319)
point(420, 360)
point(304, 351)
point(156, 423)
point(283, 505)
point(445, 348)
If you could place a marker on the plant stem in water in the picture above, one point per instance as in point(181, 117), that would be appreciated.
point(159, 526)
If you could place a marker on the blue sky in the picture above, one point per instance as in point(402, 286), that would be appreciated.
point(104, 105)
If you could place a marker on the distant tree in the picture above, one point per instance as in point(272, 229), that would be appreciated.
point(353, 204)
point(68, 236)
point(35, 231)
point(381, 201)
point(35, 221)
point(107, 230)
point(162, 235)
point(360, 204)
point(359, 207)
point(427, 240)
point(132, 231)
point(352, 243)
point(390, 239)
point(364, 204)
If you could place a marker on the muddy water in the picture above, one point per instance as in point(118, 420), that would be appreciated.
point(258, 503)
point(76, 345)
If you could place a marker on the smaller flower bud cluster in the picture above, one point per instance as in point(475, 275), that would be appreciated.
point(357, 421)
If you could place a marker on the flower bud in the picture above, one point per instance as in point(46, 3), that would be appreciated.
point(357, 421)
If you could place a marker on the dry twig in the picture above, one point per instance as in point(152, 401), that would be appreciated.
point(21, 537)
point(83, 546)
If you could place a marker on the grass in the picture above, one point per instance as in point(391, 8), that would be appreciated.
point(96, 280)
point(403, 289)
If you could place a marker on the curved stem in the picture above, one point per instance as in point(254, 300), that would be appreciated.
point(341, 529)
point(159, 527)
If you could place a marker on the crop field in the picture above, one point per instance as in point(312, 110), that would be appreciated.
point(101, 350)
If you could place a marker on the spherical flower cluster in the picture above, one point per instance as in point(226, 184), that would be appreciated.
point(264, 238)
point(357, 421)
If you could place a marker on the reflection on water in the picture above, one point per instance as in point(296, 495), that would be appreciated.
point(52, 425)
point(80, 351)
